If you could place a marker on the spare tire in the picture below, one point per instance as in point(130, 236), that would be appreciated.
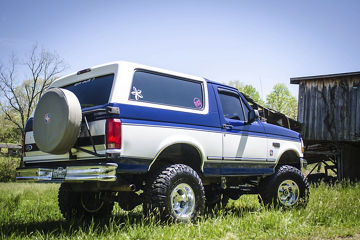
point(57, 121)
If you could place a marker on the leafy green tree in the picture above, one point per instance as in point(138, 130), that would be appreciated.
point(10, 134)
point(281, 100)
point(248, 90)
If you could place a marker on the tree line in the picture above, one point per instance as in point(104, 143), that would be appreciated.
point(279, 99)
point(23, 81)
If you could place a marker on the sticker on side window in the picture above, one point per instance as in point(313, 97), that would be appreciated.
point(136, 93)
point(197, 102)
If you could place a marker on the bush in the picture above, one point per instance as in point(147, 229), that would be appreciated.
point(8, 167)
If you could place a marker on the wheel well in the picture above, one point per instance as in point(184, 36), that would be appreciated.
point(289, 158)
point(180, 153)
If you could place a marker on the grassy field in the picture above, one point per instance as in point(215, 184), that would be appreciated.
point(30, 211)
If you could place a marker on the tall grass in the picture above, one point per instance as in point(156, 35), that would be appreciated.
point(29, 211)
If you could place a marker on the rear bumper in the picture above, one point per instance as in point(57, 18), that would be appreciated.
point(98, 173)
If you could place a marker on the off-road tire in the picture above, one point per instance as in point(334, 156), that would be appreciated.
point(77, 205)
point(166, 182)
point(270, 188)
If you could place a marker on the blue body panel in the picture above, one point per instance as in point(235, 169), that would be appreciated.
point(237, 171)
point(277, 131)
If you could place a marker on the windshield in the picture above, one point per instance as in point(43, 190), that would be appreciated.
point(93, 91)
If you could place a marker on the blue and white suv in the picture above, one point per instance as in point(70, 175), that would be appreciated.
point(178, 144)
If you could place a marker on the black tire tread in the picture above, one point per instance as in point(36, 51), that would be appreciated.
point(158, 183)
point(268, 186)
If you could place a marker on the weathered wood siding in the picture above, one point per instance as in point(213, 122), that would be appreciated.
point(329, 109)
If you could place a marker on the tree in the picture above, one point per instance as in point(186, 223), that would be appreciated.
point(248, 90)
point(20, 96)
point(280, 99)
point(8, 132)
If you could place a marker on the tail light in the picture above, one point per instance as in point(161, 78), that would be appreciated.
point(113, 133)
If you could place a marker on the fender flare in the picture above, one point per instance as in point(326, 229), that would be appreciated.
point(180, 140)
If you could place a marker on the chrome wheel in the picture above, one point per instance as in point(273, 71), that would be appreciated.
point(91, 201)
point(288, 193)
point(182, 201)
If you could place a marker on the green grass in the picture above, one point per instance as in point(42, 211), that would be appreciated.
point(29, 211)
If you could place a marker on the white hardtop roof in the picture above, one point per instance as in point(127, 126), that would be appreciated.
point(107, 68)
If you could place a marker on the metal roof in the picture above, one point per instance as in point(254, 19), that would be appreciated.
point(297, 80)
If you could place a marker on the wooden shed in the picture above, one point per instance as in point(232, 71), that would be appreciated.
point(329, 110)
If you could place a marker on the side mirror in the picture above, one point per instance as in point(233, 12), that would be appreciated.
point(252, 116)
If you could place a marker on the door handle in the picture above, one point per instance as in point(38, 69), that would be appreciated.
point(227, 126)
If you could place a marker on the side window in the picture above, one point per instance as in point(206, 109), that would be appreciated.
point(231, 105)
point(166, 90)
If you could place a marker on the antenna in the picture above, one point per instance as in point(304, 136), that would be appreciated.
point(261, 88)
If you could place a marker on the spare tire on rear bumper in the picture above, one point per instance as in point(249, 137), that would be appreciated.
point(57, 121)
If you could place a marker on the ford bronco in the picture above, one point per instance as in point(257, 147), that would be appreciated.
point(177, 144)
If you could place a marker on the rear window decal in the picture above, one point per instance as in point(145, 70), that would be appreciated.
point(137, 93)
point(84, 82)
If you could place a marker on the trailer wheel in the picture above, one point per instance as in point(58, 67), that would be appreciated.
point(85, 205)
point(175, 193)
point(286, 188)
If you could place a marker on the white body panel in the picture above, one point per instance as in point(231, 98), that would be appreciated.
point(285, 145)
point(245, 147)
point(144, 141)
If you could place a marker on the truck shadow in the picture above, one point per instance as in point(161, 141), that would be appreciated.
point(118, 221)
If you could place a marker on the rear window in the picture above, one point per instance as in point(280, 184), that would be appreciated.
point(93, 91)
point(166, 90)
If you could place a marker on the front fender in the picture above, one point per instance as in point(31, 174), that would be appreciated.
point(286, 145)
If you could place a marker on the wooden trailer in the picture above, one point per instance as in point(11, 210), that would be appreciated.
point(329, 110)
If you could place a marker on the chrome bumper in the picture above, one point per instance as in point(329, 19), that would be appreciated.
point(99, 173)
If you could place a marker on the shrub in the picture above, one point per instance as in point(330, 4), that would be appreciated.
point(8, 167)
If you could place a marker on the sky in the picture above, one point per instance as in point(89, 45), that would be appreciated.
point(255, 42)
